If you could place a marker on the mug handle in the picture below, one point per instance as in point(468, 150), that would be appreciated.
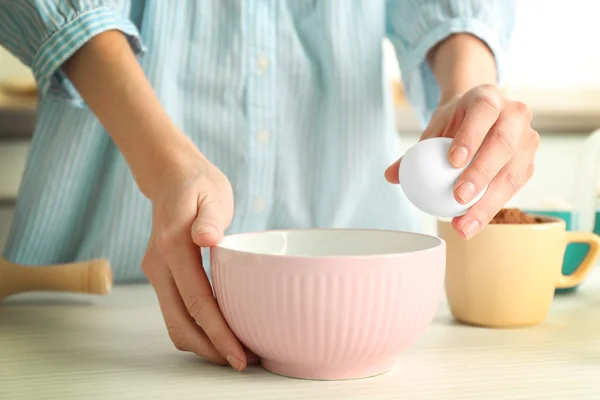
point(569, 281)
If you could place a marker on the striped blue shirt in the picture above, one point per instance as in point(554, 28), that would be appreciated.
point(288, 98)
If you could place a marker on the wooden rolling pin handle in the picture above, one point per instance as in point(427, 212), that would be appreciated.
point(93, 277)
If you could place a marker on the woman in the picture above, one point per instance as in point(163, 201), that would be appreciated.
point(280, 105)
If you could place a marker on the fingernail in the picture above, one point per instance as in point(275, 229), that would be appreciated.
point(459, 156)
point(235, 363)
point(206, 230)
point(466, 191)
point(470, 229)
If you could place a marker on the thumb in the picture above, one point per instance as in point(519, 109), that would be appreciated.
point(392, 172)
point(210, 224)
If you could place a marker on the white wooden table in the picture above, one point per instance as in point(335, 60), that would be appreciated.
point(74, 347)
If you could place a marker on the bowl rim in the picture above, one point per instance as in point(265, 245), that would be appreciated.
point(441, 243)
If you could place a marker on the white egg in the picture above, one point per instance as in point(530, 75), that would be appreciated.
point(428, 179)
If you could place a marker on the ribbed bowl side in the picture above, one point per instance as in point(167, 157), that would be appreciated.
point(300, 313)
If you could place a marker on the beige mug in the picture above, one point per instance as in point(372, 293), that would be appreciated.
point(506, 275)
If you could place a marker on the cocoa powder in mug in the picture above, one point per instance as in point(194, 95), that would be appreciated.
point(515, 216)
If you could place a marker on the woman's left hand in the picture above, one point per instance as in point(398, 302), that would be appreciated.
point(495, 133)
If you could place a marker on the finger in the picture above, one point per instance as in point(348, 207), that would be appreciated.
point(435, 127)
point(496, 151)
point(210, 224)
point(482, 111)
point(185, 262)
point(183, 331)
point(502, 188)
point(392, 174)
point(452, 127)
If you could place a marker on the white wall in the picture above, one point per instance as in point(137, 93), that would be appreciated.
point(11, 68)
point(553, 46)
point(556, 44)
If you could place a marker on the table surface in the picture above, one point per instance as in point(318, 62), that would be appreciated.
point(115, 347)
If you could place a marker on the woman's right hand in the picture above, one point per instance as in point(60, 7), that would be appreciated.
point(191, 211)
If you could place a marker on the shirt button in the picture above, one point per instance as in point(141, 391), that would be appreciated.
point(263, 63)
point(259, 204)
point(263, 137)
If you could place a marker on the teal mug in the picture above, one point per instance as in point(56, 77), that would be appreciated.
point(575, 252)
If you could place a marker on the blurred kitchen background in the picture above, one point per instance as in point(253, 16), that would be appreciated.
point(553, 65)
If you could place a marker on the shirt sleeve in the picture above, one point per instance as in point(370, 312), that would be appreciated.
point(415, 26)
point(43, 34)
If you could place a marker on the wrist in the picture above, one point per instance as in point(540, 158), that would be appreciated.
point(460, 63)
point(160, 164)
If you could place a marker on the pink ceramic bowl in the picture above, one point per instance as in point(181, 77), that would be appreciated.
point(328, 303)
